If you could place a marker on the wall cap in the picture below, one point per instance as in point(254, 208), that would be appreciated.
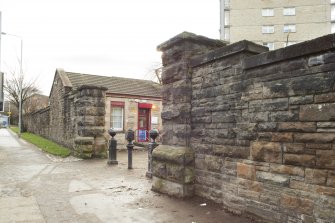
point(314, 46)
point(191, 37)
point(239, 47)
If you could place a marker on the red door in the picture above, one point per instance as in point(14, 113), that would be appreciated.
point(143, 124)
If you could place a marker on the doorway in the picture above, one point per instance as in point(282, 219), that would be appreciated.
point(143, 124)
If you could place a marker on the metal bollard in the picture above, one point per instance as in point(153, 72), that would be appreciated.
point(112, 148)
point(130, 135)
point(152, 145)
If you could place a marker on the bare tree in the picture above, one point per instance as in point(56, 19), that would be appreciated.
point(12, 88)
point(154, 72)
point(35, 103)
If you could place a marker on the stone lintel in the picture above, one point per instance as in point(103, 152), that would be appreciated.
point(190, 37)
point(318, 45)
point(239, 47)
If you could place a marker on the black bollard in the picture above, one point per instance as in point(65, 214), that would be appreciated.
point(130, 135)
point(112, 148)
point(152, 145)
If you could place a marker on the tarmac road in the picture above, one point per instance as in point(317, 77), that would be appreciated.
point(37, 187)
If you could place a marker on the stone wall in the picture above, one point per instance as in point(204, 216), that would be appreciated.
point(74, 119)
point(262, 127)
point(38, 122)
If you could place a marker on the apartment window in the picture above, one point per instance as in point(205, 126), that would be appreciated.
point(226, 4)
point(227, 34)
point(289, 11)
point(332, 28)
point(226, 18)
point(267, 12)
point(332, 12)
point(271, 46)
point(289, 43)
point(268, 29)
point(117, 115)
point(289, 28)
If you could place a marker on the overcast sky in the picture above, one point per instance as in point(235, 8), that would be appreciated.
point(102, 37)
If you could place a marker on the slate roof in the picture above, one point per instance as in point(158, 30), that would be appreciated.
point(116, 85)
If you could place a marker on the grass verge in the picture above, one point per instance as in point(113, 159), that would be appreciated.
point(45, 144)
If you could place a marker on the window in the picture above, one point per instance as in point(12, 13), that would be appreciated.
point(226, 4)
point(289, 28)
point(332, 12)
point(268, 29)
point(226, 34)
point(271, 46)
point(333, 28)
point(332, 1)
point(289, 43)
point(226, 18)
point(289, 11)
point(267, 12)
point(117, 115)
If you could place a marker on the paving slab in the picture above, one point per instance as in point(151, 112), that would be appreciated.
point(39, 187)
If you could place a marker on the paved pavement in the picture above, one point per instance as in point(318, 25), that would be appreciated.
point(37, 187)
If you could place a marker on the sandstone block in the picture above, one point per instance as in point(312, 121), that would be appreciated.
point(213, 163)
point(315, 176)
point(282, 137)
point(173, 154)
point(91, 111)
point(91, 120)
point(286, 169)
point(314, 137)
point(266, 127)
point(250, 185)
point(284, 116)
point(246, 171)
point(331, 179)
point(276, 104)
point(299, 160)
point(301, 100)
point(325, 98)
point(317, 112)
point(84, 140)
point(175, 72)
point(87, 131)
point(271, 178)
point(325, 159)
point(172, 188)
point(297, 126)
point(241, 152)
point(297, 148)
point(296, 204)
point(266, 152)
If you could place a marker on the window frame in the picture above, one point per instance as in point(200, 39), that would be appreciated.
point(289, 30)
point(289, 11)
point(266, 14)
point(266, 30)
point(117, 104)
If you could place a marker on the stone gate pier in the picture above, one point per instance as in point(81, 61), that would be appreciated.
point(250, 129)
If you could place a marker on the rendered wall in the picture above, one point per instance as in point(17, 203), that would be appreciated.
point(262, 127)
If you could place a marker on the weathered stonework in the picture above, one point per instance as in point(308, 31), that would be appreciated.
point(75, 118)
point(261, 124)
point(173, 170)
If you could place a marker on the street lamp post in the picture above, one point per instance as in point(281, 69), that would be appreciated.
point(20, 81)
